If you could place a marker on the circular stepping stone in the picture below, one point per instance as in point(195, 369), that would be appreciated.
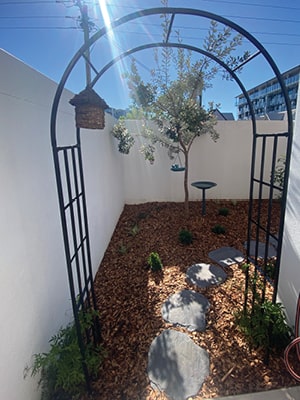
point(226, 256)
point(176, 365)
point(186, 308)
point(204, 275)
point(261, 249)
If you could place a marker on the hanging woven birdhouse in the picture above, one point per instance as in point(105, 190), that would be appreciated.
point(89, 109)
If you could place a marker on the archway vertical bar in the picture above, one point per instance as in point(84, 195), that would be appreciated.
point(68, 256)
point(88, 271)
point(270, 207)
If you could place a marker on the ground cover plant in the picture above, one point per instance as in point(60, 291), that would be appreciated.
point(130, 297)
point(60, 371)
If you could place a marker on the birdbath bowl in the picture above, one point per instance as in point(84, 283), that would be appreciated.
point(204, 185)
point(177, 168)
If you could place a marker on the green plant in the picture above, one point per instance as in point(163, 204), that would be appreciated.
point(264, 325)
point(171, 97)
point(270, 268)
point(185, 236)
point(142, 215)
point(279, 171)
point(126, 141)
point(60, 370)
point(245, 267)
point(223, 211)
point(134, 230)
point(154, 262)
point(122, 249)
point(218, 229)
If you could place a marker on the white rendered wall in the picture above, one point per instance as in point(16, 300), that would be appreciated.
point(226, 162)
point(289, 279)
point(35, 299)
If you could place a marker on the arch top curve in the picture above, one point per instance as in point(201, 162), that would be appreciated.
point(173, 11)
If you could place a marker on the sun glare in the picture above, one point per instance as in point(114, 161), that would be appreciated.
point(115, 47)
point(104, 12)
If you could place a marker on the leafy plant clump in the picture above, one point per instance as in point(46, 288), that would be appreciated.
point(134, 230)
point(60, 370)
point(122, 249)
point(126, 141)
point(224, 211)
point(279, 172)
point(185, 236)
point(154, 262)
point(265, 326)
point(218, 229)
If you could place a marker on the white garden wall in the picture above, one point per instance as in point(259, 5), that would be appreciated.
point(289, 279)
point(35, 298)
point(226, 162)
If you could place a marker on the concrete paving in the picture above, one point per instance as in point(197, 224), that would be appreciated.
point(176, 365)
point(292, 393)
point(226, 256)
point(186, 308)
point(261, 249)
point(205, 275)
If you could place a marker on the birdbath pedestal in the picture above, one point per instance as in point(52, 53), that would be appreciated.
point(204, 185)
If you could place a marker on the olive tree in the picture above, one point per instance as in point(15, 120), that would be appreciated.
point(171, 97)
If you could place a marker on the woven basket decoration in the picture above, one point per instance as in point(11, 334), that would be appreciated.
point(89, 109)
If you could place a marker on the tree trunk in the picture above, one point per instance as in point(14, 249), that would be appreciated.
point(185, 184)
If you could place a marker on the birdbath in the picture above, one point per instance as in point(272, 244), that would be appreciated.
point(203, 185)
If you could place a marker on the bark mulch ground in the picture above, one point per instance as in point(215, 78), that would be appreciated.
point(130, 297)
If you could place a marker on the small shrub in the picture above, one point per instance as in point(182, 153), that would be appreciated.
point(185, 236)
point(134, 230)
point(60, 370)
point(264, 326)
point(219, 229)
point(245, 267)
point(270, 269)
point(154, 262)
point(122, 249)
point(224, 211)
point(142, 215)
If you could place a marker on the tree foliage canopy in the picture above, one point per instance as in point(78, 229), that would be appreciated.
point(172, 96)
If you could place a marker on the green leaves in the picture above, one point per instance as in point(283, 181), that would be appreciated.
point(61, 372)
point(185, 236)
point(265, 325)
point(126, 141)
point(154, 262)
point(279, 172)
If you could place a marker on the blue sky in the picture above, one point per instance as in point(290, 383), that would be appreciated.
point(45, 35)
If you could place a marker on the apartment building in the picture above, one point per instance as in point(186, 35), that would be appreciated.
point(267, 98)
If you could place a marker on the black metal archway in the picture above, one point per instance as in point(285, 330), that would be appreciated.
point(70, 175)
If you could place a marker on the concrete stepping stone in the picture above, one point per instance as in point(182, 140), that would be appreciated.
point(205, 275)
point(226, 256)
point(186, 308)
point(272, 252)
point(176, 365)
point(274, 241)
